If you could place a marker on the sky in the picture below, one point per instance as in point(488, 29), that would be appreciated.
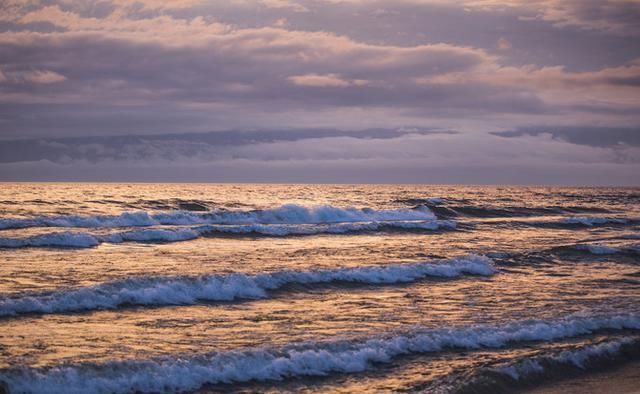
point(328, 91)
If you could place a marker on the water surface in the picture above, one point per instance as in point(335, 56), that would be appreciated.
point(312, 288)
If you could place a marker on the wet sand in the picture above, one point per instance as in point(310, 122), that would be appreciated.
point(622, 380)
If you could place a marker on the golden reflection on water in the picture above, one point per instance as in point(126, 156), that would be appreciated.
point(530, 287)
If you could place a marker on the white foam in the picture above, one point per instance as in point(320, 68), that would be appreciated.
point(153, 235)
point(286, 214)
point(62, 239)
point(88, 240)
point(126, 219)
point(187, 373)
point(578, 358)
point(189, 290)
point(334, 228)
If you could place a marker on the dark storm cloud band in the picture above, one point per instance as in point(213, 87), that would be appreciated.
point(175, 146)
point(592, 136)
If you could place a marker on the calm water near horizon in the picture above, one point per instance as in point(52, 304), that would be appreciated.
point(313, 288)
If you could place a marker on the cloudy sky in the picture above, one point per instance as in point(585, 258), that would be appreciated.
point(374, 91)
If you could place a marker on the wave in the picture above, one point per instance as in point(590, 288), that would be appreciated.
point(183, 373)
point(448, 208)
point(421, 201)
point(190, 290)
point(286, 214)
point(165, 235)
point(64, 239)
point(590, 221)
point(86, 240)
point(579, 358)
point(495, 212)
point(574, 222)
point(337, 228)
point(540, 368)
point(600, 249)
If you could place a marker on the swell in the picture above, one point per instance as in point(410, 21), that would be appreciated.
point(600, 249)
point(563, 255)
point(448, 208)
point(570, 222)
point(159, 291)
point(285, 214)
point(164, 235)
point(589, 221)
point(530, 371)
point(184, 372)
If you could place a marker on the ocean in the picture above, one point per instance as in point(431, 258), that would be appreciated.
point(211, 288)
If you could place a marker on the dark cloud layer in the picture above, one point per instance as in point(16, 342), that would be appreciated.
point(173, 146)
point(586, 135)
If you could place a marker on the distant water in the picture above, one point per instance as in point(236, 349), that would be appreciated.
point(313, 288)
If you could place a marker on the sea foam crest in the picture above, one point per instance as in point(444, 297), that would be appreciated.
point(332, 228)
point(578, 358)
point(88, 240)
point(286, 214)
point(62, 239)
point(190, 290)
point(541, 367)
point(310, 359)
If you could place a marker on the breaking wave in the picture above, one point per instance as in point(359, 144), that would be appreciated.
point(177, 374)
point(335, 228)
point(190, 290)
point(89, 240)
point(541, 368)
point(579, 358)
point(447, 208)
point(286, 214)
point(63, 239)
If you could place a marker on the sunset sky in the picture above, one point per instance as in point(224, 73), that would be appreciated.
point(405, 91)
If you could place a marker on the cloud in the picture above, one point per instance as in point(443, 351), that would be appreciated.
point(584, 135)
point(284, 4)
point(135, 69)
point(326, 80)
point(554, 85)
point(186, 145)
point(44, 77)
point(32, 76)
point(117, 24)
point(430, 158)
point(612, 16)
point(615, 16)
point(278, 67)
point(504, 44)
